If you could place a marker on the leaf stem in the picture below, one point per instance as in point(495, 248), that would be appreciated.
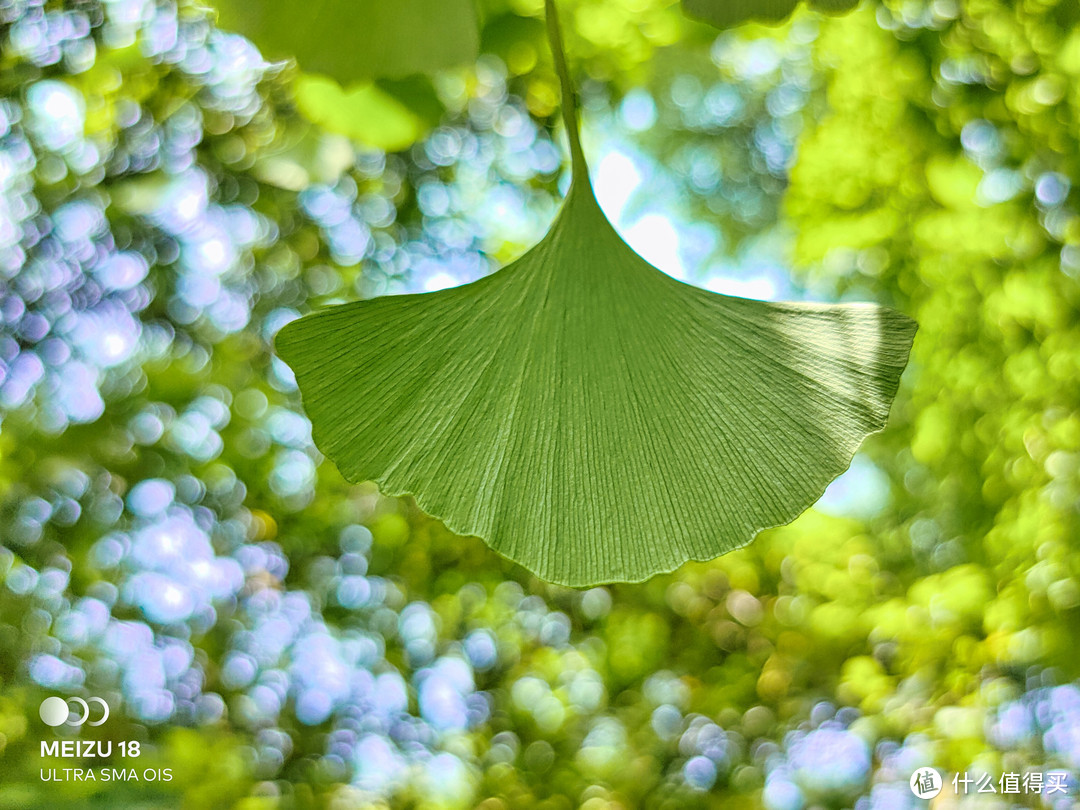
point(569, 97)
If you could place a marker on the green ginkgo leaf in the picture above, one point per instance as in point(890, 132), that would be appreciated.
point(726, 13)
point(354, 40)
point(589, 416)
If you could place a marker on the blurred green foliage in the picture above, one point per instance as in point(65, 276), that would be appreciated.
point(360, 40)
point(934, 169)
point(727, 14)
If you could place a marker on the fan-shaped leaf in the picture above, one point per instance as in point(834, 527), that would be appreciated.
point(353, 40)
point(589, 416)
point(726, 13)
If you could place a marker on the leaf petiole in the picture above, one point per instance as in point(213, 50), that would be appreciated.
point(569, 97)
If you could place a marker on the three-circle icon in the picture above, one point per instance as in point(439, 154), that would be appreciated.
point(55, 711)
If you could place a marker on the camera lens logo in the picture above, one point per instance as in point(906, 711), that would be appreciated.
point(55, 711)
point(926, 783)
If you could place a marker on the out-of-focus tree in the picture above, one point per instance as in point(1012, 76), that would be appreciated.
point(279, 638)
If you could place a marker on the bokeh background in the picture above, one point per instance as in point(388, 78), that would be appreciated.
point(173, 542)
